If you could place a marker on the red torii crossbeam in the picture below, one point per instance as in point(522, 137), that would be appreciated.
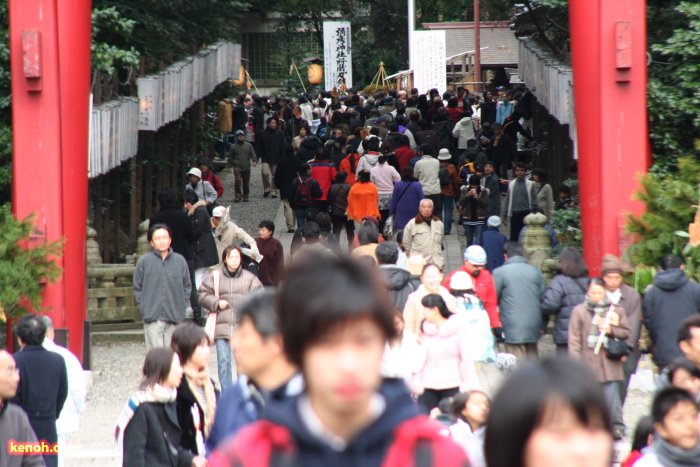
point(608, 51)
point(50, 65)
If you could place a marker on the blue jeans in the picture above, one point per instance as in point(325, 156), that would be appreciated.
point(300, 214)
point(473, 233)
point(448, 204)
point(223, 360)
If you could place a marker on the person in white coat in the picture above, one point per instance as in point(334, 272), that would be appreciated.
point(403, 356)
point(471, 409)
point(69, 419)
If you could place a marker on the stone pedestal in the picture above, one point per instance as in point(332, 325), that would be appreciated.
point(142, 245)
point(536, 240)
point(92, 248)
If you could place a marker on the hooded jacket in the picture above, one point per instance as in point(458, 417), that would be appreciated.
point(485, 289)
point(394, 439)
point(363, 200)
point(492, 241)
point(560, 298)
point(204, 191)
point(398, 283)
point(203, 245)
point(671, 299)
point(162, 287)
point(464, 130)
point(367, 162)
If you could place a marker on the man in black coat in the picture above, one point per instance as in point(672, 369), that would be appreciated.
point(272, 144)
point(287, 170)
point(182, 237)
point(43, 384)
point(203, 243)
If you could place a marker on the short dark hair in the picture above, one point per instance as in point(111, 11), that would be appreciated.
point(304, 167)
point(564, 189)
point(311, 214)
point(434, 300)
point(497, 126)
point(518, 408)
point(387, 253)
point(541, 174)
point(368, 233)
point(31, 329)
point(166, 197)
point(407, 174)
point(521, 165)
point(595, 281)
point(493, 166)
point(363, 176)
point(152, 229)
point(186, 338)
point(189, 196)
point(667, 399)
point(227, 251)
point(684, 332)
point(373, 144)
point(681, 363)
point(512, 248)
point(571, 263)
point(311, 231)
point(157, 366)
point(260, 308)
point(671, 262)
point(307, 312)
point(267, 224)
point(323, 219)
point(341, 177)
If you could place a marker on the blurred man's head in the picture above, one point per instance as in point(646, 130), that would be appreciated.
point(9, 376)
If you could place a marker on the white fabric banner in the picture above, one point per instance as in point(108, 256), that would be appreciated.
point(428, 61)
point(337, 54)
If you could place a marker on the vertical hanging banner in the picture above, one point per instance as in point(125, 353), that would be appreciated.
point(337, 54)
point(428, 60)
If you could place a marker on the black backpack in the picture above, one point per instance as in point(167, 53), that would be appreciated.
point(444, 176)
point(302, 195)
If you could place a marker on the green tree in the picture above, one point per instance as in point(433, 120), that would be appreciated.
point(5, 108)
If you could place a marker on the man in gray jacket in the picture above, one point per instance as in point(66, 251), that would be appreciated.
point(161, 287)
point(520, 288)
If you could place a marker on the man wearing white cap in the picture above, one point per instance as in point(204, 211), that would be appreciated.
point(484, 287)
point(226, 231)
point(202, 189)
point(493, 240)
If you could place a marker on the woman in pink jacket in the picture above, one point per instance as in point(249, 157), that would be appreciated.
point(449, 367)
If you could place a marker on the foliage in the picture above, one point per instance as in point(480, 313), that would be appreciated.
point(23, 268)
point(567, 224)
point(5, 108)
point(106, 57)
point(431, 11)
point(670, 202)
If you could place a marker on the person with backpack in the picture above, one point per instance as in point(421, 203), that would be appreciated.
point(449, 188)
point(303, 193)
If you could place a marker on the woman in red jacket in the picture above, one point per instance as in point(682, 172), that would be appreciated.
point(323, 171)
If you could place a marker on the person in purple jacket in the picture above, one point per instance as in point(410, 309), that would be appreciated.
point(405, 199)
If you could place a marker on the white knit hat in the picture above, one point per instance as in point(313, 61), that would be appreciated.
point(461, 281)
point(196, 172)
point(494, 221)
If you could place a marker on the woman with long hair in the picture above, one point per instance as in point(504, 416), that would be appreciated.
point(302, 132)
point(148, 425)
point(349, 164)
point(196, 396)
point(448, 366)
point(545, 196)
point(384, 176)
point(566, 290)
point(221, 293)
point(471, 410)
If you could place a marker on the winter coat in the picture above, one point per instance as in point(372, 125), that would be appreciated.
point(485, 289)
point(632, 303)
point(419, 238)
point(477, 156)
point(452, 188)
point(338, 198)
point(69, 418)
point(42, 389)
point(464, 130)
point(314, 189)
point(272, 264)
point(235, 409)
point(492, 241)
point(503, 150)
point(183, 406)
point(14, 424)
point(308, 147)
point(545, 200)
point(605, 369)
point(443, 130)
point(213, 179)
point(426, 171)
point(287, 170)
point(531, 195)
point(465, 205)
point(384, 177)
point(449, 362)
point(398, 284)
point(272, 145)
point(404, 202)
point(405, 360)
point(413, 311)
point(229, 233)
point(560, 298)
point(233, 287)
point(204, 191)
point(241, 156)
point(363, 200)
point(492, 184)
point(347, 167)
point(324, 172)
point(180, 228)
point(404, 154)
point(162, 287)
point(152, 438)
point(520, 288)
point(671, 299)
point(203, 245)
point(240, 117)
point(224, 118)
point(429, 137)
point(367, 162)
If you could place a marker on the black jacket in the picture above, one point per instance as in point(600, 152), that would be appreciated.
point(398, 282)
point(560, 298)
point(272, 144)
point(672, 298)
point(181, 228)
point(42, 389)
point(203, 245)
point(152, 438)
point(505, 151)
point(286, 171)
point(314, 187)
point(338, 198)
point(308, 147)
point(184, 402)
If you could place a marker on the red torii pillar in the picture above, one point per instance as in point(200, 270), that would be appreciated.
point(50, 65)
point(608, 51)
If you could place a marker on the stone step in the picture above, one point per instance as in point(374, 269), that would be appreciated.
point(133, 335)
point(105, 327)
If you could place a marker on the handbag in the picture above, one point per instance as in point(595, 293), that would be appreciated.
point(210, 326)
point(616, 349)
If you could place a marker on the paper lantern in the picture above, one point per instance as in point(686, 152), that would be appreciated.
point(315, 73)
point(241, 77)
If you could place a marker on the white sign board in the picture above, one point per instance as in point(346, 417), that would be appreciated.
point(150, 103)
point(337, 54)
point(428, 61)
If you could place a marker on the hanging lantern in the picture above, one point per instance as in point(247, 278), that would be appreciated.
point(241, 77)
point(315, 73)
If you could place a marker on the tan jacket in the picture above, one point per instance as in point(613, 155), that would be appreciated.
point(419, 238)
point(579, 324)
point(232, 288)
point(226, 234)
point(413, 311)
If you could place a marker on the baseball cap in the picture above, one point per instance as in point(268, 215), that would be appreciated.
point(240, 132)
point(475, 255)
point(219, 211)
point(196, 172)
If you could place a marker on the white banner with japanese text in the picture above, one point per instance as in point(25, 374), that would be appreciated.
point(337, 54)
point(428, 61)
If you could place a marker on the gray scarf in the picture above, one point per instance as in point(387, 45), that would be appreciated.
point(673, 456)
